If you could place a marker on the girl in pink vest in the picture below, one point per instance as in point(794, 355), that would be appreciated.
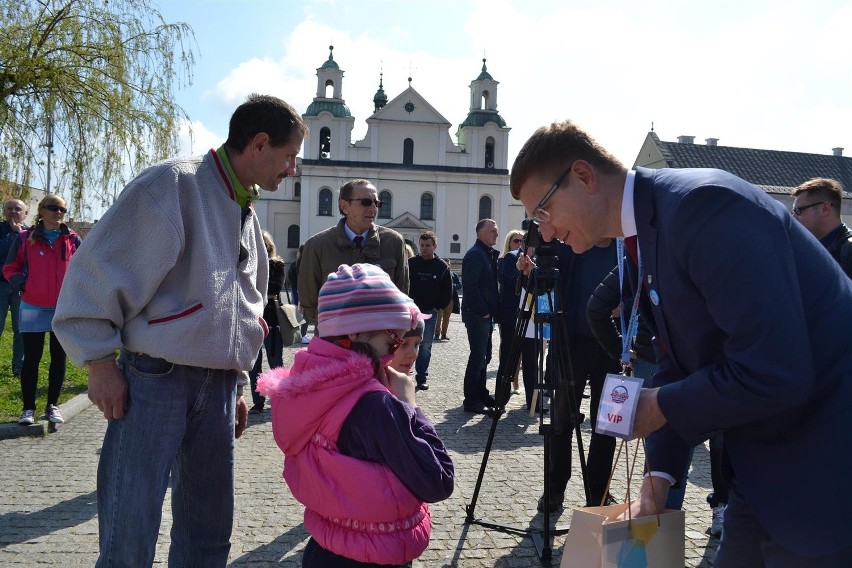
point(358, 452)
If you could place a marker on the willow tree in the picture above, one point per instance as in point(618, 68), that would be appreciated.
point(93, 81)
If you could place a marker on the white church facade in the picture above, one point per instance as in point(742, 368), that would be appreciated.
point(426, 180)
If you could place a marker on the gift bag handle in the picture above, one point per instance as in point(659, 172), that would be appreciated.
point(630, 469)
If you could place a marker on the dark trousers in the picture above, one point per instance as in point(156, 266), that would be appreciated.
point(273, 344)
point(529, 362)
point(746, 544)
point(479, 337)
point(316, 556)
point(33, 349)
point(591, 364)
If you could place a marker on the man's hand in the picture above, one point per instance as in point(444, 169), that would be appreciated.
point(240, 416)
point(108, 389)
point(652, 498)
point(649, 417)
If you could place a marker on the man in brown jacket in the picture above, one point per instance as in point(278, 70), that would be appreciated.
point(356, 238)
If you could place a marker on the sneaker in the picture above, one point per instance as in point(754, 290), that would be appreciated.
point(27, 418)
point(445, 338)
point(306, 339)
point(52, 414)
point(718, 520)
point(256, 409)
point(424, 386)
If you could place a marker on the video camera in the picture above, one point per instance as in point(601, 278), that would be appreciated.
point(546, 260)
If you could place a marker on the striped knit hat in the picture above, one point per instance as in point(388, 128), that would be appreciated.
point(360, 298)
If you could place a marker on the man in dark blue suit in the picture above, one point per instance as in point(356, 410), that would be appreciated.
point(751, 316)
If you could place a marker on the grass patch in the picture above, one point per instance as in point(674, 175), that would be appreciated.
point(76, 380)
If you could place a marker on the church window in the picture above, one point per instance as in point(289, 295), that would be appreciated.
point(325, 143)
point(489, 152)
point(324, 202)
point(485, 207)
point(408, 152)
point(387, 204)
point(426, 206)
point(293, 237)
point(329, 89)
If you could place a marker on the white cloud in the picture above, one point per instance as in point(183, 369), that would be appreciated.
point(195, 138)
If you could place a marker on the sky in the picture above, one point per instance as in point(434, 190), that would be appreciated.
point(761, 74)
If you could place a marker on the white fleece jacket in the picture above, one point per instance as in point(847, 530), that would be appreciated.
point(159, 274)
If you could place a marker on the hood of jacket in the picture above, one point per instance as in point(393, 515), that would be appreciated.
point(322, 376)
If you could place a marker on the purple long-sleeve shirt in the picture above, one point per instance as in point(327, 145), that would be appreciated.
point(411, 449)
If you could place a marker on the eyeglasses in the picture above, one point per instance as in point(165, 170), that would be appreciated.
point(397, 341)
point(53, 207)
point(539, 214)
point(367, 201)
point(517, 241)
point(798, 210)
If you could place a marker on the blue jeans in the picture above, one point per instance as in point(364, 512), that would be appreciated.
point(179, 424)
point(424, 355)
point(10, 300)
point(479, 337)
point(746, 544)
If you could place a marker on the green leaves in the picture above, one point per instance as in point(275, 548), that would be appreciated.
point(104, 74)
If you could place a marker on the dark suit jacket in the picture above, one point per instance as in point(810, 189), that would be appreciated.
point(753, 315)
point(479, 281)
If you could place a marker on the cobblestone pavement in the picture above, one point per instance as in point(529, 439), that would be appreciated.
point(48, 512)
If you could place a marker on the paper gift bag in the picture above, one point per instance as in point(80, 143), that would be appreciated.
point(596, 541)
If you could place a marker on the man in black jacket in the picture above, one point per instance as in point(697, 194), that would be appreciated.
point(817, 207)
point(431, 288)
point(479, 307)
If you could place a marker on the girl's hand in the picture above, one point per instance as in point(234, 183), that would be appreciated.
point(400, 385)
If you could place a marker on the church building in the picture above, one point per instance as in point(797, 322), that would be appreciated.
point(426, 180)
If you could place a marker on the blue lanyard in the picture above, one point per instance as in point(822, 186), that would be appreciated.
point(633, 321)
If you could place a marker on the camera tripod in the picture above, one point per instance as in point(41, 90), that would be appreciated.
point(544, 280)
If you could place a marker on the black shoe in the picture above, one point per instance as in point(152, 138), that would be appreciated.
point(556, 505)
point(437, 338)
point(478, 409)
point(256, 409)
point(488, 400)
point(424, 386)
point(610, 500)
point(445, 338)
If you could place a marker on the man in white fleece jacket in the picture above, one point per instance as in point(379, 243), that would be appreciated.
point(174, 277)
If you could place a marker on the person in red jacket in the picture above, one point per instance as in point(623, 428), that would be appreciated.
point(36, 265)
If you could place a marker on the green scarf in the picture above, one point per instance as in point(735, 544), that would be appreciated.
point(242, 195)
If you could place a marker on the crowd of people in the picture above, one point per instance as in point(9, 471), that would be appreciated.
point(662, 274)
